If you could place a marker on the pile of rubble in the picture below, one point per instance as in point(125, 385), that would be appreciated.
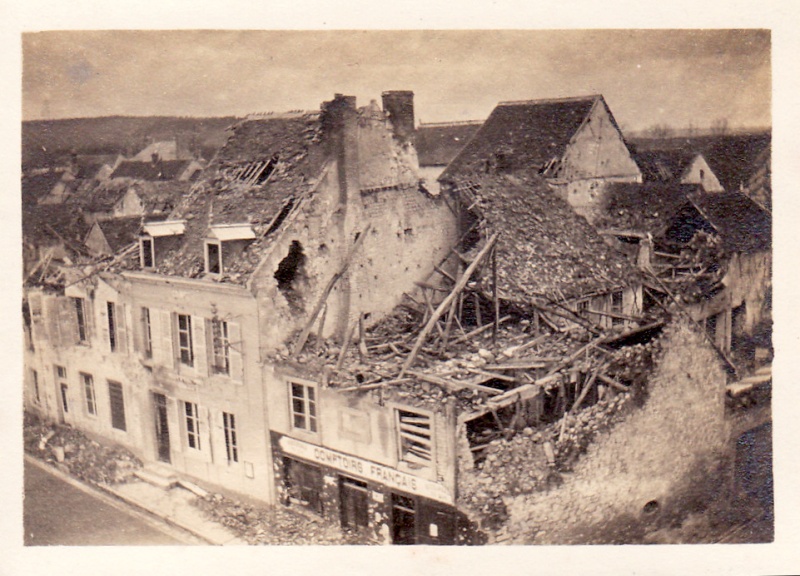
point(273, 526)
point(73, 453)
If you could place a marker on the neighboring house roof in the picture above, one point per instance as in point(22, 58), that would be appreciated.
point(157, 196)
point(545, 249)
point(733, 158)
point(48, 224)
point(438, 143)
point(121, 232)
point(645, 207)
point(522, 135)
point(743, 225)
point(158, 170)
point(38, 186)
point(663, 165)
point(166, 150)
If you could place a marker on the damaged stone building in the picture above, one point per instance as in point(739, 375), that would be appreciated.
point(310, 326)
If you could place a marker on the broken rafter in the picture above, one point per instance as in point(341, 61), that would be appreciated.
point(478, 331)
point(453, 384)
point(585, 391)
point(613, 383)
point(301, 340)
point(444, 305)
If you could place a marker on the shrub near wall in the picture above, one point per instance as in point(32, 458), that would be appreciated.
point(650, 470)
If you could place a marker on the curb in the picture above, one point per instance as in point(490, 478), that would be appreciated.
point(105, 491)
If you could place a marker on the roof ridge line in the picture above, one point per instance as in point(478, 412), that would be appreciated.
point(453, 123)
point(549, 100)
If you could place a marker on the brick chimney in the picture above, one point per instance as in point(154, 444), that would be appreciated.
point(399, 107)
point(340, 130)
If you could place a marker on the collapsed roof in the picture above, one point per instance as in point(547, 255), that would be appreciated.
point(156, 196)
point(544, 250)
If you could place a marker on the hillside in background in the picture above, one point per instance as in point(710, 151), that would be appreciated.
point(48, 142)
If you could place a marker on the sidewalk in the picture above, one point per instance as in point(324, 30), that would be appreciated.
point(173, 506)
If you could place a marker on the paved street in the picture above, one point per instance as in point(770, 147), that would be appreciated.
point(56, 513)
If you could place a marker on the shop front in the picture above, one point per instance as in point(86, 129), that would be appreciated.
point(383, 503)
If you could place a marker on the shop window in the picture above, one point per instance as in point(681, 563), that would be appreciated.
point(89, 395)
point(192, 425)
point(231, 442)
point(117, 402)
point(353, 501)
point(404, 522)
point(185, 348)
point(304, 484)
point(221, 363)
point(304, 406)
point(415, 438)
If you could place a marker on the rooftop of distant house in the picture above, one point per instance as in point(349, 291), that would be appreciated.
point(154, 169)
point(438, 143)
point(643, 207)
point(522, 135)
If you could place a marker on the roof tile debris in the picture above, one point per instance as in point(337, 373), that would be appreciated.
point(545, 249)
point(158, 197)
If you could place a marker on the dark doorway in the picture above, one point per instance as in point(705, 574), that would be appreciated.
point(404, 520)
point(353, 498)
point(162, 427)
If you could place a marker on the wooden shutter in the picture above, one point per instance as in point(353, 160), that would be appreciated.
point(207, 449)
point(51, 320)
point(200, 346)
point(235, 350)
point(220, 455)
point(39, 326)
point(167, 343)
point(67, 321)
point(121, 326)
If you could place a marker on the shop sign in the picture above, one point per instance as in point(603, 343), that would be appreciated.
point(366, 470)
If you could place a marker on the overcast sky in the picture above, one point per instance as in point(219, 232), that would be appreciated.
point(648, 77)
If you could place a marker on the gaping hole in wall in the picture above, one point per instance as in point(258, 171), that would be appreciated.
point(291, 274)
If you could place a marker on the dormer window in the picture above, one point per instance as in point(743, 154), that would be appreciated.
point(155, 236)
point(224, 243)
point(146, 253)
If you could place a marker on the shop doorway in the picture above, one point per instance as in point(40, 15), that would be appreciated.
point(404, 520)
point(353, 499)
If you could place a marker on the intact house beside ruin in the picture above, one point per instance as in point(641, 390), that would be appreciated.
point(574, 143)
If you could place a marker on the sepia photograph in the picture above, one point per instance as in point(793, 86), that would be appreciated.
point(473, 287)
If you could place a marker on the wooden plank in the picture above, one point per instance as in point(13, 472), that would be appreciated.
point(345, 345)
point(613, 383)
point(516, 366)
point(375, 385)
point(453, 384)
point(491, 375)
point(478, 331)
point(585, 391)
point(445, 304)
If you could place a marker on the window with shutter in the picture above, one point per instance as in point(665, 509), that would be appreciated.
point(89, 395)
point(231, 441)
point(147, 332)
point(117, 403)
point(415, 438)
point(220, 347)
point(185, 348)
point(80, 316)
point(192, 420)
point(111, 316)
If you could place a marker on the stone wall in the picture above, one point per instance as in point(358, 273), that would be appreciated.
point(648, 470)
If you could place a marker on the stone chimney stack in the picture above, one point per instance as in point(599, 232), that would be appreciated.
point(399, 107)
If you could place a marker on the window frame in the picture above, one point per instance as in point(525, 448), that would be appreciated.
point(184, 339)
point(80, 317)
point(218, 245)
point(149, 240)
point(231, 437)
point(115, 414)
point(147, 331)
point(220, 347)
point(191, 420)
point(406, 437)
point(301, 407)
point(617, 309)
point(89, 395)
point(111, 320)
